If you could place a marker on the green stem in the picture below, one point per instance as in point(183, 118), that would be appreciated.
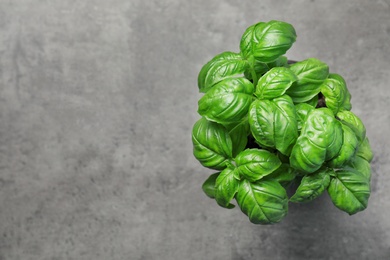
point(253, 72)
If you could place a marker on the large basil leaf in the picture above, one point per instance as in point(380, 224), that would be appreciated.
point(320, 140)
point(274, 83)
point(364, 150)
point(302, 109)
point(224, 65)
point(348, 148)
point(311, 73)
point(273, 123)
point(208, 186)
point(254, 164)
point(361, 165)
point(228, 101)
point(239, 134)
point(284, 174)
point(226, 187)
point(349, 191)
point(353, 121)
point(264, 202)
point(347, 102)
point(312, 186)
point(267, 41)
point(212, 144)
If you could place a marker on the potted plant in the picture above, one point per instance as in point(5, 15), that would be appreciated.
point(267, 122)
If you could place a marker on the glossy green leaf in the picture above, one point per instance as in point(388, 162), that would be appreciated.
point(335, 94)
point(264, 202)
point(274, 83)
point(212, 144)
point(284, 174)
point(311, 73)
point(312, 102)
point(228, 101)
point(208, 186)
point(364, 150)
point(302, 109)
point(361, 165)
point(239, 134)
point(273, 123)
point(346, 105)
point(353, 121)
point(281, 61)
point(320, 140)
point(348, 148)
point(349, 191)
point(259, 68)
point(267, 41)
point(254, 164)
point(312, 186)
point(222, 66)
point(226, 187)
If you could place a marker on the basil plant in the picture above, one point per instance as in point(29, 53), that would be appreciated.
point(267, 122)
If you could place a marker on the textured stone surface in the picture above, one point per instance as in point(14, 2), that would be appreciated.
point(97, 101)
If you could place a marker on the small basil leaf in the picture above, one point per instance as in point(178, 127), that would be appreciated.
point(212, 144)
point(313, 102)
point(349, 191)
point(312, 186)
point(284, 174)
point(254, 164)
point(208, 186)
point(264, 202)
point(346, 105)
point(274, 83)
point(311, 73)
point(282, 61)
point(222, 66)
point(226, 187)
point(335, 93)
point(361, 165)
point(239, 134)
point(353, 121)
point(228, 101)
point(364, 150)
point(320, 140)
point(302, 109)
point(273, 123)
point(259, 67)
point(267, 41)
point(347, 150)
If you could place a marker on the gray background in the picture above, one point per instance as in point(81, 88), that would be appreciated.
point(98, 99)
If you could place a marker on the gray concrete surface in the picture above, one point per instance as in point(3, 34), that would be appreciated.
point(97, 101)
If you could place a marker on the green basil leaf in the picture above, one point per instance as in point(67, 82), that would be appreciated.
point(312, 186)
point(311, 73)
point(254, 164)
point(208, 186)
point(364, 150)
point(281, 61)
point(349, 191)
point(239, 134)
point(212, 144)
point(361, 165)
point(222, 66)
point(273, 123)
point(267, 41)
point(312, 102)
point(284, 174)
point(346, 105)
point(264, 202)
point(302, 109)
point(353, 121)
point(226, 187)
point(274, 83)
point(335, 93)
point(320, 140)
point(228, 101)
point(348, 148)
